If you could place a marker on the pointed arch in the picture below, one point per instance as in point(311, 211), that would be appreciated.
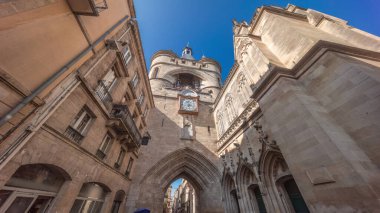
point(276, 174)
point(230, 193)
point(184, 163)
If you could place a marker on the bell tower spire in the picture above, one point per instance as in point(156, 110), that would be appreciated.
point(187, 52)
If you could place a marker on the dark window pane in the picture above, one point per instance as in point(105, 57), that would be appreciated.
point(88, 206)
point(20, 204)
point(4, 194)
point(41, 204)
point(97, 207)
point(116, 206)
point(77, 206)
point(259, 200)
point(295, 196)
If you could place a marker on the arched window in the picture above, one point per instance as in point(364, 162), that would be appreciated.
point(295, 196)
point(242, 88)
point(119, 198)
point(256, 197)
point(32, 188)
point(220, 123)
point(90, 198)
point(230, 108)
point(155, 72)
point(185, 80)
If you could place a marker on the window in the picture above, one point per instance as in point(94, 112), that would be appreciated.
point(82, 121)
point(119, 197)
point(155, 72)
point(32, 188)
point(80, 125)
point(104, 147)
point(140, 100)
point(185, 80)
point(105, 85)
point(129, 167)
point(110, 78)
point(120, 158)
point(90, 198)
point(135, 80)
point(127, 56)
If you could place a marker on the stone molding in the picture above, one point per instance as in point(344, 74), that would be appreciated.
point(225, 139)
point(200, 171)
point(309, 59)
point(228, 80)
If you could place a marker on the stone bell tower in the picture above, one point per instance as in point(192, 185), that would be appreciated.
point(182, 132)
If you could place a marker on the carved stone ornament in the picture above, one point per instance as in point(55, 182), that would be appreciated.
point(263, 137)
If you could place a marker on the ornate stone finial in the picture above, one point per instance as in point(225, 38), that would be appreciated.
point(224, 160)
point(232, 162)
point(263, 137)
point(251, 153)
point(235, 22)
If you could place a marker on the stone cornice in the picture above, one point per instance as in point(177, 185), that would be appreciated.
point(283, 12)
point(308, 60)
point(164, 52)
point(131, 7)
point(232, 72)
point(63, 138)
point(187, 67)
point(170, 53)
point(244, 117)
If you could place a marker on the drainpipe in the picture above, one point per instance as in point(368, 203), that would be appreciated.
point(57, 74)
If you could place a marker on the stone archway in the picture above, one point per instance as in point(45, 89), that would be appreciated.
point(184, 163)
point(230, 193)
point(279, 181)
point(246, 181)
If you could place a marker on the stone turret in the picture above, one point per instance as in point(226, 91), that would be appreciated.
point(170, 74)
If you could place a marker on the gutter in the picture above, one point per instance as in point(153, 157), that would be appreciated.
point(57, 74)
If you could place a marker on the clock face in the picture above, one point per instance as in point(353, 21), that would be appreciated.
point(188, 104)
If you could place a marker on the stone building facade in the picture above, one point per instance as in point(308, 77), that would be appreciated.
point(183, 136)
point(184, 198)
point(293, 129)
point(74, 100)
point(298, 117)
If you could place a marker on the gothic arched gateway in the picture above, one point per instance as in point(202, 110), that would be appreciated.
point(187, 164)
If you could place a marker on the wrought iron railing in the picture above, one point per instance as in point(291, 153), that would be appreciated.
point(122, 112)
point(73, 134)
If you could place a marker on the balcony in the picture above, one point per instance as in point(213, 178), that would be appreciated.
point(125, 126)
point(73, 134)
point(104, 95)
point(88, 7)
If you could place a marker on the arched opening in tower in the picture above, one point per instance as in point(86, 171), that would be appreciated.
point(180, 197)
point(185, 80)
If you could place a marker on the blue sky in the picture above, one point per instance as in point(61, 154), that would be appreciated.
point(207, 24)
point(175, 185)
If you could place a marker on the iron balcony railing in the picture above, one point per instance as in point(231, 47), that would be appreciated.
point(122, 112)
point(102, 91)
point(73, 134)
